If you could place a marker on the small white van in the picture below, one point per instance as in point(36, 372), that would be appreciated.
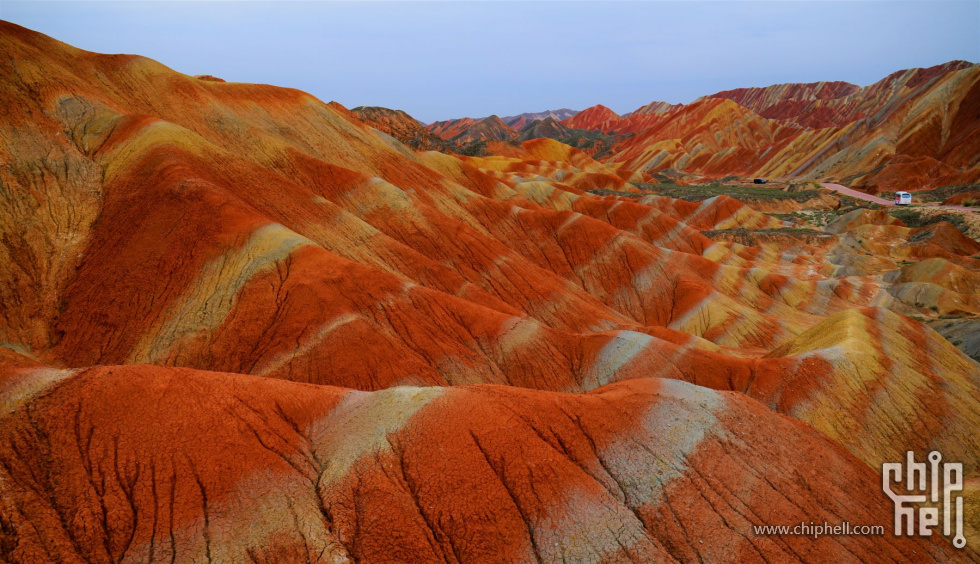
point(903, 199)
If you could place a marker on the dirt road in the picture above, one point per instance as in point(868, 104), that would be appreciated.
point(867, 197)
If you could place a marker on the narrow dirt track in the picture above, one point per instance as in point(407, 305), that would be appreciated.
point(856, 194)
point(868, 197)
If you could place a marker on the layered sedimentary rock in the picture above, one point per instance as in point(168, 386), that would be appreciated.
point(450, 128)
point(912, 130)
point(401, 126)
point(487, 129)
point(237, 322)
point(518, 122)
point(597, 117)
point(303, 473)
point(823, 104)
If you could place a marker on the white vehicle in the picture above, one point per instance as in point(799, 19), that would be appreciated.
point(903, 199)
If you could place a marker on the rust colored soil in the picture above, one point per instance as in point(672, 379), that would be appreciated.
point(239, 324)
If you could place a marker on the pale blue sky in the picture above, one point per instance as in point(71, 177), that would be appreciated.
point(438, 60)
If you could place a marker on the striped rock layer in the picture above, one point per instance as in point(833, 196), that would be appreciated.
point(236, 322)
point(915, 129)
point(912, 130)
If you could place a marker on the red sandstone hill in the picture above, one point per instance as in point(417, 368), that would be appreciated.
point(546, 128)
point(487, 129)
point(451, 127)
point(468, 131)
point(914, 129)
point(809, 105)
point(518, 122)
point(401, 126)
point(597, 118)
point(653, 108)
point(238, 323)
point(291, 473)
point(922, 124)
point(825, 104)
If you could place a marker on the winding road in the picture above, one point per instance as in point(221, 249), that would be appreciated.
point(868, 197)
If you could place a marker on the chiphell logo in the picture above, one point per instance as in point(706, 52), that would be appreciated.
point(931, 480)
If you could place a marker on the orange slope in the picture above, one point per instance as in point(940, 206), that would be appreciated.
point(158, 221)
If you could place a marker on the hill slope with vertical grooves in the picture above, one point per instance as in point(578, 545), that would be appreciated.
point(915, 129)
point(239, 323)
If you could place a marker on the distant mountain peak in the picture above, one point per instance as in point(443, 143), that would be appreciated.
point(490, 128)
point(401, 126)
point(519, 121)
point(597, 117)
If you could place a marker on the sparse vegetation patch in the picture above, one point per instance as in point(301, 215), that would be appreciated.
point(914, 218)
point(795, 231)
point(698, 193)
